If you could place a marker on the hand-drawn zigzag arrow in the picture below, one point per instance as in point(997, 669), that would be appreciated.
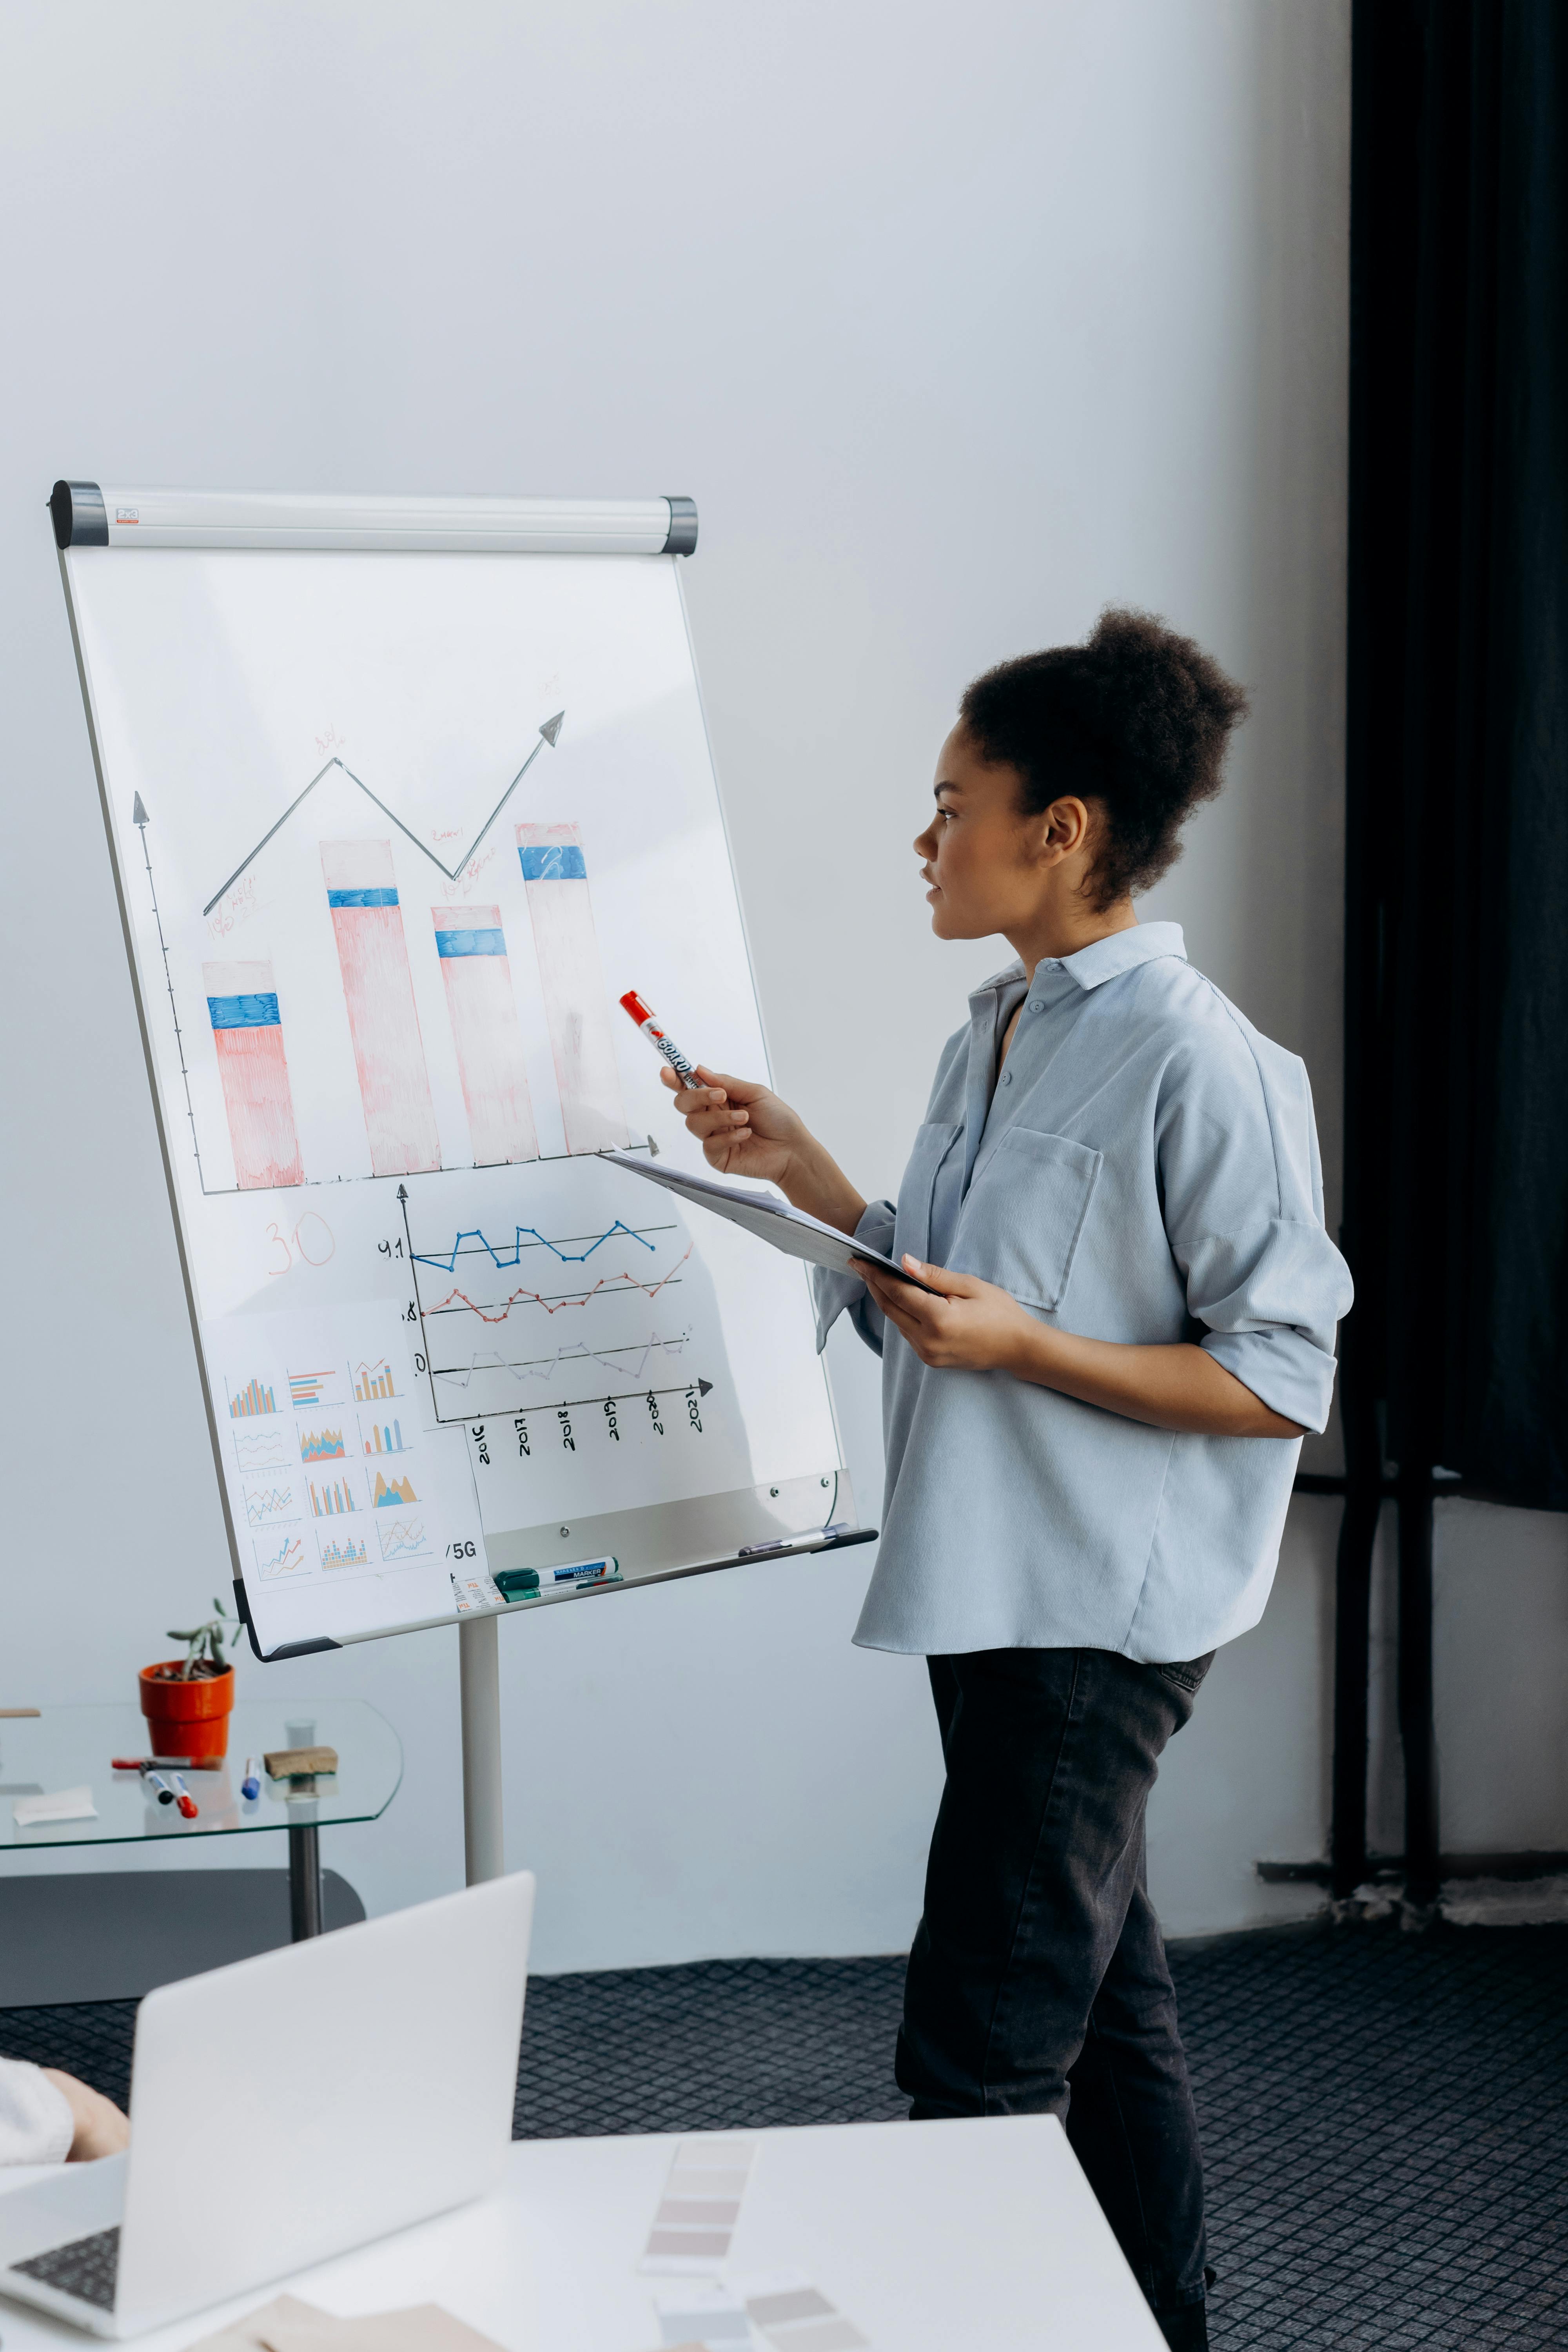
point(547, 734)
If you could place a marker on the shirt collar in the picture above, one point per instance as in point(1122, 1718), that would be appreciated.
point(1104, 959)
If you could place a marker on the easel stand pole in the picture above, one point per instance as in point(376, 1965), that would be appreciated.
point(479, 1674)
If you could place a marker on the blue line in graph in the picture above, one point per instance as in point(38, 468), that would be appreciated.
point(567, 1257)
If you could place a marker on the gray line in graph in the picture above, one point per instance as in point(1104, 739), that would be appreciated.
point(548, 734)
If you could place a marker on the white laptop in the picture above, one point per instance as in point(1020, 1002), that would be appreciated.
point(285, 2109)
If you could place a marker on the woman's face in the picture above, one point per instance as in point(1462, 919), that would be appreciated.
point(986, 863)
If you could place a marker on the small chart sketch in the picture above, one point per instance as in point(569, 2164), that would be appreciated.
point(247, 1037)
point(261, 1449)
point(390, 1492)
point(269, 1503)
point(333, 1499)
point(307, 1390)
point(342, 1551)
point(284, 1560)
point(385, 1437)
point(247, 1403)
point(322, 1446)
point(373, 1381)
point(402, 1539)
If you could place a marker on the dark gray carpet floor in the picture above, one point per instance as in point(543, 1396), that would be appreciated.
point(1385, 2115)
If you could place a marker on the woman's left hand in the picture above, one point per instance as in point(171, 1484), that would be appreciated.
point(971, 1327)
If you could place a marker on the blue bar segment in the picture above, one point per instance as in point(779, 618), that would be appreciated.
point(553, 861)
point(466, 943)
point(244, 1011)
point(361, 898)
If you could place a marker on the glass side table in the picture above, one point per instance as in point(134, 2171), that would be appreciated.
point(71, 1746)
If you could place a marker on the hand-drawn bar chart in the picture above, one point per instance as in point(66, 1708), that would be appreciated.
point(373, 1381)
point(471, 945)
point(383, 1019)
point(333, 1498)
point(343, 1551)
point(254, 1399)
point(385, 1437)
point(248, 1034)
point(578, 1002)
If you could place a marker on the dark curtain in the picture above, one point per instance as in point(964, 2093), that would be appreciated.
point(1457, 998)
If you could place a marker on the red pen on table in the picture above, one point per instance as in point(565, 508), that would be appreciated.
point(184, 1798)
point(659, 1039)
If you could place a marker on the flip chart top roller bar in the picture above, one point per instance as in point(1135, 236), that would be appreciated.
point(86, 514)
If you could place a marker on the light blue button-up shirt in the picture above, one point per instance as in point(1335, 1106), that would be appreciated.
point(1145, 1169)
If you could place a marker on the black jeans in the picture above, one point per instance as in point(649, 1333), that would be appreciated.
point(1038, 1981)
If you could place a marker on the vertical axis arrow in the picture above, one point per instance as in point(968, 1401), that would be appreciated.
point(140, 820)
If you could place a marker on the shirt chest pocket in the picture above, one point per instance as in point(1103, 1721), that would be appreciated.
point(911, 1230)
point(1025, 1215)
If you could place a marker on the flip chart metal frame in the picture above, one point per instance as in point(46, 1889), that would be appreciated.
point(89, 514)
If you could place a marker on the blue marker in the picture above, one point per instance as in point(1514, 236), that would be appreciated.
point(250, 1787)
point(165, 1794)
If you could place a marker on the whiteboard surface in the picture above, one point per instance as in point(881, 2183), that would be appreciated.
point(438, 1331)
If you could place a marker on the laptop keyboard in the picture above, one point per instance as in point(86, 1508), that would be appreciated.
point(86, 2268)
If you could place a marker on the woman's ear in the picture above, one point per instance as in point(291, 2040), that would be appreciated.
point(1065, 826)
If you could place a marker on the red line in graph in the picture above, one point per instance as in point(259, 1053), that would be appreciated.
point(611, 1282)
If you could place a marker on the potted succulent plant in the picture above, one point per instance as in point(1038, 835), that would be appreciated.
point(186, 1701)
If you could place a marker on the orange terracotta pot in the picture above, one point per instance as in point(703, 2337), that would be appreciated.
point(187, 1719)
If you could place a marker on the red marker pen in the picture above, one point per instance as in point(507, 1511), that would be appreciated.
point(184, 1798)
point(656, 1037)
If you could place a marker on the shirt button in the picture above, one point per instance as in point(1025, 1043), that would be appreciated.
point(1006, 1077)
point(1035, 1005)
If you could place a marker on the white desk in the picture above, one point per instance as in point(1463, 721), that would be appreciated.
point(950, 2237)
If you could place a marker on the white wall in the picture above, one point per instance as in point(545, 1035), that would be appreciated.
point(957, 323)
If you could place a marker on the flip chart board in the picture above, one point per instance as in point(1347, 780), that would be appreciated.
point(400, 798)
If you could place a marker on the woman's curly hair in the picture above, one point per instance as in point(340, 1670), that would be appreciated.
point(1136, 722)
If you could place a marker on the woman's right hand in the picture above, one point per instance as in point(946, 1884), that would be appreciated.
point(744, 1129)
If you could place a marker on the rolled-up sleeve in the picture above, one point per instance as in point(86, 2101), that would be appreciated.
point(833, 1292)
point(1244, 1213)
point(36, 2122)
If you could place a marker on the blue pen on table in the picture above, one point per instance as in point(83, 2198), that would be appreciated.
point(250, 1787)
point(165, 1794)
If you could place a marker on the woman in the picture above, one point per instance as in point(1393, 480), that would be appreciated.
point(1093, 1409)
point(46, 2116)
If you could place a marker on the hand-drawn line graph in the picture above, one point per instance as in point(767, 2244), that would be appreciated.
point(402, 1539)
point(608, 1285)
point(564, 1249)
point(260, 1449)
point(269, 1504)
point(630, 1362)
point(458, 1301)
point(466, 1383)
point(288, 1556)
point(549, 734)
